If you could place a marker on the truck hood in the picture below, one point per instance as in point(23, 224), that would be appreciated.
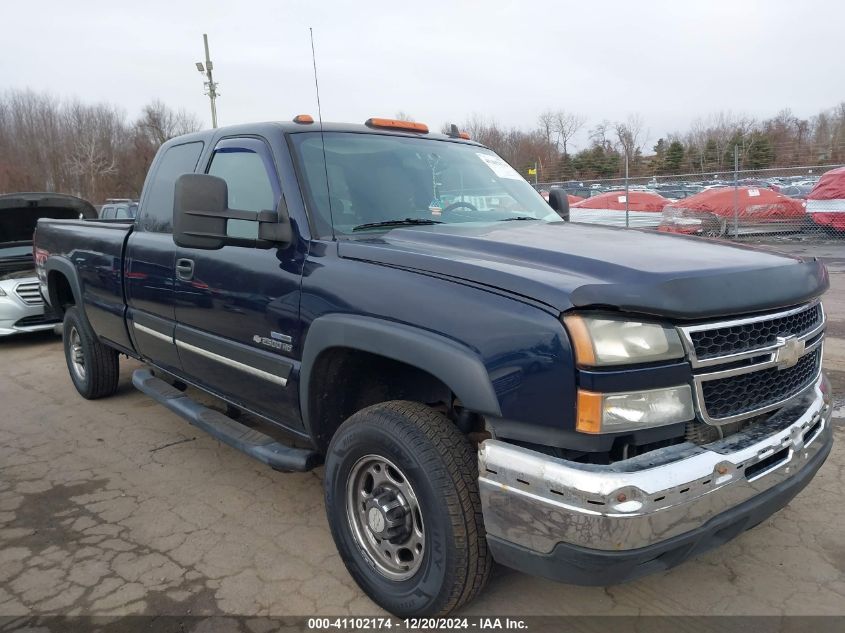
point(570, 265)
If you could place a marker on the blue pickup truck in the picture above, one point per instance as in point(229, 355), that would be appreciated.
point(483, 379)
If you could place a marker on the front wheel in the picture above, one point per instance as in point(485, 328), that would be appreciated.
point(403, 505)
point(93, 367)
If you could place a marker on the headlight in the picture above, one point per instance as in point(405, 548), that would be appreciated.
point(614, 412)
point(604, 340)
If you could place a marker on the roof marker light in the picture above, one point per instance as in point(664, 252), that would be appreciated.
point(303, 118)
point(395, 124)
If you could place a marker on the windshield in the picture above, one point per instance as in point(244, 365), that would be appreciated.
point(378, 178)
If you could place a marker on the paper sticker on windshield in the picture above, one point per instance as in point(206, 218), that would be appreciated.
point(499, 167)
point(753, 193)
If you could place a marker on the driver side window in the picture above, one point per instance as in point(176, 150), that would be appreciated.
point(248, 177)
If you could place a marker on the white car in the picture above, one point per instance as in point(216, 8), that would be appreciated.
point(21, 304)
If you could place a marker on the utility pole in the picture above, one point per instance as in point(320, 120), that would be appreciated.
point(736, 191)
point(210, 85)
point(627, 207)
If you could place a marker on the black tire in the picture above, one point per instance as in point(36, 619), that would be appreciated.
point(100, 368)
point(441, 466)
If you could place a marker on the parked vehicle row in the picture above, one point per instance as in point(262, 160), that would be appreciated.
point(677, 189)
point(720, 209)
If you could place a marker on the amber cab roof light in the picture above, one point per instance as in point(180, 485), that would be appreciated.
point(464, 135)
point(303, 118)
point(395, 124)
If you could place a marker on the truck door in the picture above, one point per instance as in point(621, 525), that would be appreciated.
point(237, 308)
point(149, 269)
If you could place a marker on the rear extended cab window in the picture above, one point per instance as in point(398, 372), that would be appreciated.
point(156, 212)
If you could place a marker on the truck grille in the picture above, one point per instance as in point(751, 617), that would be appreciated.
point(29, 293)
point(733, 339)
point(735, 395)
point(749, 366)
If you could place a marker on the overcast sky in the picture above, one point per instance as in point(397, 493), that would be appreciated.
point(671, 61)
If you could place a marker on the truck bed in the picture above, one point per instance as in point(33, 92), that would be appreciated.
point(95, 248)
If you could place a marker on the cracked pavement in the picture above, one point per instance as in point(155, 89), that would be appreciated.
point(118, 507)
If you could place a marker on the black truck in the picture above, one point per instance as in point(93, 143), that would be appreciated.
point(483, 379)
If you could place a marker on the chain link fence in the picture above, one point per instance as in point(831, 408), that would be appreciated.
point(736, 204)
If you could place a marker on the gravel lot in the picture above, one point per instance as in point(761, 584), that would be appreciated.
point(119, 507)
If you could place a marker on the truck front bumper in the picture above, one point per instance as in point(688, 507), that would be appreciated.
point(602, 525)
point(21, 310)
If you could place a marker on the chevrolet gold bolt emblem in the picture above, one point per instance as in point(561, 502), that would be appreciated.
point(790, 350)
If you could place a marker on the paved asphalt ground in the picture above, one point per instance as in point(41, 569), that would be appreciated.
point(119, 507)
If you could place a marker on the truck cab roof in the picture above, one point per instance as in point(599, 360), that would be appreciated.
point(266, 128)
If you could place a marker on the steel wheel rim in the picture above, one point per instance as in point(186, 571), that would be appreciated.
point(77, 357)
point(385, 517)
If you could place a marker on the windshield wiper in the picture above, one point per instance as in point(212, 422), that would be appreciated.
point(517, 218)
point(398, 222)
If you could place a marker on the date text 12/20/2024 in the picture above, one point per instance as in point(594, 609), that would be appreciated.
point(417, 624)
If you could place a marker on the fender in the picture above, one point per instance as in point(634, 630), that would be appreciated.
point(456, 365)
point(63, 265)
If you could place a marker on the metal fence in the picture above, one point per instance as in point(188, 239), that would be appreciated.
point(735, 204)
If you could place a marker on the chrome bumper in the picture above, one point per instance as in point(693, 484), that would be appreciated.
point(536, 501)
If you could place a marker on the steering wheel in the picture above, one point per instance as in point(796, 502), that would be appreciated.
point(458, 205)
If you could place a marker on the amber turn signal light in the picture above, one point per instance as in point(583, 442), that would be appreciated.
point(589, 412)
point(395, 124)
point(581, 341)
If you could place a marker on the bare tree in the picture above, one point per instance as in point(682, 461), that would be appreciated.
point(566, 125)
point(95, 135)
point(599, 133)
point(91, 150)
point(403, 116)
point(160, 123)
point(91, 164)
point(549, 155)
point(630, 135)
point(546, 121)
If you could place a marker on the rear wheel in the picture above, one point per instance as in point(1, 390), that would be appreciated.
point(93, 367)
point(403, 505)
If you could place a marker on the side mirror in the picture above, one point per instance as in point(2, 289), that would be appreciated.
point(559, 201)
point(201, 213)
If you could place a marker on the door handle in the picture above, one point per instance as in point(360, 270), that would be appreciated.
point(185, 269)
